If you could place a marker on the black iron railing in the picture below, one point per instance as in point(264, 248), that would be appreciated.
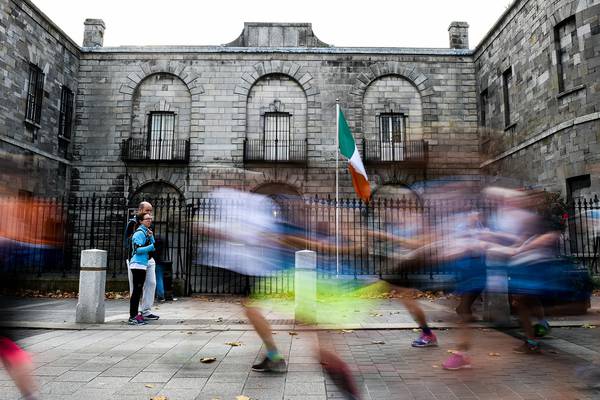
point(175, 150)
point(410, 151)
point(275, 151)
point(46, 236)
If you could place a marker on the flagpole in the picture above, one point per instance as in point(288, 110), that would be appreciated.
point(337, 187)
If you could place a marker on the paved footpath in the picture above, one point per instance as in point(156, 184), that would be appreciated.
point(116, 361)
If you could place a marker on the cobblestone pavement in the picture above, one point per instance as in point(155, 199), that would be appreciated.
point(135, 364)
point(116, 361)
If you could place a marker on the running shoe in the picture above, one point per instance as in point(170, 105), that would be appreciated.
point(457, 361)
point(425, 340)
point(528, 347)
point(150, 317)
point(137, 320)
point(541, 329)
point(268, 365)
point(340, 374)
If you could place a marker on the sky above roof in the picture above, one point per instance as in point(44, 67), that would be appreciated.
point(347, 23)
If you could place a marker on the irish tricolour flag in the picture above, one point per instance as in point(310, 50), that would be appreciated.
point(355, 165)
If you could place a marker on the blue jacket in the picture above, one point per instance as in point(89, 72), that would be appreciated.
point(142, 245)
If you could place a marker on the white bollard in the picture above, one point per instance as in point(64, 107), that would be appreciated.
point(496, 306)
point(92, 286)
point(305, 283)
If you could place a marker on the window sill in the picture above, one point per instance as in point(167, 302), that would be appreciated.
point(509, 127)
point(32, 124)
point(570, 91)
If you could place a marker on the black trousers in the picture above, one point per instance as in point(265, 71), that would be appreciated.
point(138, 277)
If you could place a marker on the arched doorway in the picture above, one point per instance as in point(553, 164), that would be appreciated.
point(169, 212)
point(288, 203)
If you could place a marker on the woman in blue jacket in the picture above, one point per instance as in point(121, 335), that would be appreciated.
point(142, 243)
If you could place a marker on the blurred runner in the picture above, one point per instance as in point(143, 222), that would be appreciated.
point(253, 243)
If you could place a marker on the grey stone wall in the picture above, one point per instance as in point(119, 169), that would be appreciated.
point(230, 86)
point(161, 92)
point(392, 94)
point(555, 133)
point(27, 36)
point(262, 98)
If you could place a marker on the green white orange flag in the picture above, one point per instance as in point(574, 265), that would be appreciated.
point(350, 151)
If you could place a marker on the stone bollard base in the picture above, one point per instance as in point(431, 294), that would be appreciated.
point(305, 284)
point(92, 287)
point(496, 306)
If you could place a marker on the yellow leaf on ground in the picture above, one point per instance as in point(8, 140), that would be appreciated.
point(416, 330)
point(207, 360)
point(241, 397)
point(149, 386)
point(452, 351)
point(494, 354)
point(293, 333)
point(376, 314)
point(233, 344)
point(159, 398)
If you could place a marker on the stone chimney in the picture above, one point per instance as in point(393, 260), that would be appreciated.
point(93, 34)
point(459, 35)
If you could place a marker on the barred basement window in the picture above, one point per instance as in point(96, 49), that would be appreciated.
point(507, 83)
point(65, 119)
point(35, 92)
point(161, 135)
point(483, 105)
point(277, 130)
point(567, 53)
point(392, 134)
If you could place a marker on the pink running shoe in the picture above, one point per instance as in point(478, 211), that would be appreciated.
point(457, 361)
point(425, 340)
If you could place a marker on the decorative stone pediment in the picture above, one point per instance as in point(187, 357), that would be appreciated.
point(264, 34)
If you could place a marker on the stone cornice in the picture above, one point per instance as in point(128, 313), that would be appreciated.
point(284, 50)
point(33, 149)
point(543, 135)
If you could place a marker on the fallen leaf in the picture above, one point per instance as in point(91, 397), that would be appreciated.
point(149, 386)
point(588, 326)
point(416, 330)
point(293, 333)
point(242, 397)
point(378, 342)
point(208, 360)
point(189, 333)
point(434, 366)
point(494, 354)
point(376, 314)
point(452, 351)
point(159, 398)
point(233, 344)
point(346, 331)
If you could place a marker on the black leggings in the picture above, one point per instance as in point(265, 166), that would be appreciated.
point(139, 276)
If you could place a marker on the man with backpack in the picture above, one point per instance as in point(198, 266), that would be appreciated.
point(150, 281)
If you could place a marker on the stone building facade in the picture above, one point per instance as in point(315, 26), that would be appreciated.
point(39, 75)
point(259, 113)
point(538, 82)
point(225, 100)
